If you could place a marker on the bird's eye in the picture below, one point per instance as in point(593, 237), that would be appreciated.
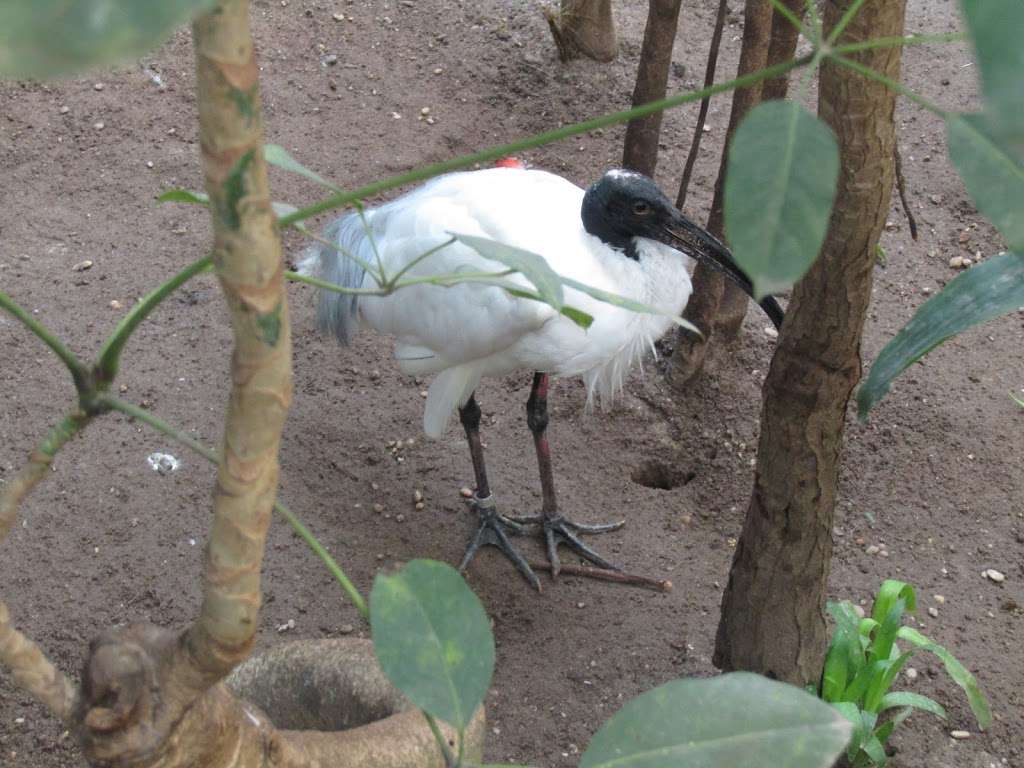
point(641, 208)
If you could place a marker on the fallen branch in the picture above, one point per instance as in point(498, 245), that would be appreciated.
point(603, 574)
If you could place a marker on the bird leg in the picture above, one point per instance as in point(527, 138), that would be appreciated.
point(557, 529)
point(493, 526)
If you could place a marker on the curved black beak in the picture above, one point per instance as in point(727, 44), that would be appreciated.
point(682, 234)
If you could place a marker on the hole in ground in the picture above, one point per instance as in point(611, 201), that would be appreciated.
point(655, 473)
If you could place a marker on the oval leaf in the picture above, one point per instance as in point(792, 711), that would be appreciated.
point(779, 188)
point(735, 719)
point(995, 27)
point(990, 289)
point(994, 177)
point(433, 639)
point(47, 38)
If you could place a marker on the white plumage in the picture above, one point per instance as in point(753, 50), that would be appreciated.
point(471, 331)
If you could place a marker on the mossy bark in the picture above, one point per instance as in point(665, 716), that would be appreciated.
point(773, 608)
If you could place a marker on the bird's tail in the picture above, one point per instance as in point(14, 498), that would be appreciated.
point(337, 312)
point(450, 390)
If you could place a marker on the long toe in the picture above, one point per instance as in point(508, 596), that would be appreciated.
point(493, 531)
point(561, 531)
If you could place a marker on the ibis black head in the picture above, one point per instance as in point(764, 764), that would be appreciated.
point(624, 205)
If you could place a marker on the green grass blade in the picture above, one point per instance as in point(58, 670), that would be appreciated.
point(890, 593)
point(959, 674)
point(911, 700)
point(880, 684)
point(71, 362)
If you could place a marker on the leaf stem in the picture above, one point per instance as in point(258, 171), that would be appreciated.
point(783, 10)
point(425, 172)
point(844, 21)
point(420, 258)
point(73, 364)
point(896, 86)
point(110, 354)
point(130, 409)
point(449, 759)
point(893, 41)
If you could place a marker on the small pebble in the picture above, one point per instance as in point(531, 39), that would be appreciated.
point(466, 493)
point(65, 109)
point(425, 111)
point(771, 332)
point(149, 163)
point(346, 629)
point(338, 16)
point(400, 518)
point(375, 486)
point(419, 505)
point(98, 86)
point(378, 508)
point(330, 59)
point(82, 266)
point(933, 611)
point(872, 550)
point(956, 262)
point(438, 71)
point(993, 575)
point(926, 290)
point(417, 496)
point(115, 304)
point(911, 673)
point(940, 599)
point(960, 735)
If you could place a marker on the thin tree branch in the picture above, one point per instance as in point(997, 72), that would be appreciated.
point(709, 78)
point(494, 153)
point(33, 672)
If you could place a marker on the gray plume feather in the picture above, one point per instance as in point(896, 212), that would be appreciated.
point(337, 312)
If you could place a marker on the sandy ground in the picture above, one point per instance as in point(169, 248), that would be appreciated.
point(931, 485)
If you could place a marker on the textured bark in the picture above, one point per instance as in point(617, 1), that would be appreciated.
point(141, 687)
point(782, 48)
point(640, 150)
point(772, 612)
point(718, 306)
point(584, 28)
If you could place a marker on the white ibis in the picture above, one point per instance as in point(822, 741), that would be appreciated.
point(622, 235)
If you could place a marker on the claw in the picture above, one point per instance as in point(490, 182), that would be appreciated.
point(492, 532)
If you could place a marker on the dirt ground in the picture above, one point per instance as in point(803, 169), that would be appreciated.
point(931, 486)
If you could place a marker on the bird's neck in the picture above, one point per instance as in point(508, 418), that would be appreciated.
point(666, 275)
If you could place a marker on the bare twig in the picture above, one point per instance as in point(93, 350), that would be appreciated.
point(901, 187)
point(603, 574)
point(709, 78)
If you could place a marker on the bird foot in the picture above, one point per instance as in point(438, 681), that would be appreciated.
point(493, 531)
point(561, 530)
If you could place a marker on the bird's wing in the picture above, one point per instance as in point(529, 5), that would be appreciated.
point(468, 321)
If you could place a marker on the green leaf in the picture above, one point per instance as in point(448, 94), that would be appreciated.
point(890, 593)
point(845, 657)
point(533, 266)
point(625, 303)
point(578, 316)
point(48, 38)
point(433, 639)
point(735, 719)
point(912, 700)
point(874, 749)
point(995, 26)
point(880, 684)
point(992, 173)
point(179, 195)
point(277, 155)
point(956, 671)
point(779, 188)
point(985, 291)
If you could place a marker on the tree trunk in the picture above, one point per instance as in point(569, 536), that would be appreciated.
point(717, 305)
point(782, 48)
point(772, 611)
point(640, 150)
point(584, 28)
